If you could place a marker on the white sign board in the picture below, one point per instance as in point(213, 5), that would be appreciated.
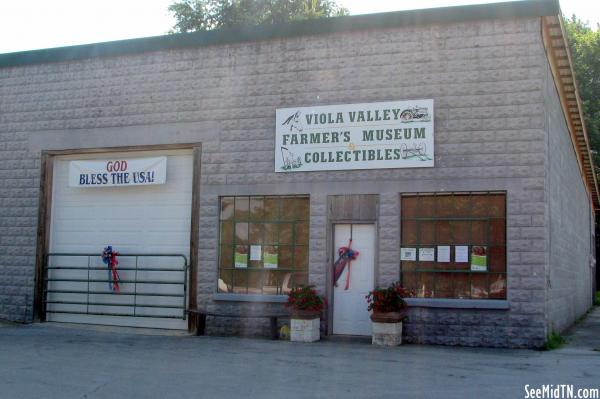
point(396, 134)
point(118, 172)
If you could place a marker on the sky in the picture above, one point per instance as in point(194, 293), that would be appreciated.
point(34, 24)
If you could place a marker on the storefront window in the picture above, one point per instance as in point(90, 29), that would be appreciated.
point(453, 245)
point(263, 244)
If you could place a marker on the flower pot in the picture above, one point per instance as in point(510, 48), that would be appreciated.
point(387, 328)
point(388, 317)
point(305, 314)
point(305, 328)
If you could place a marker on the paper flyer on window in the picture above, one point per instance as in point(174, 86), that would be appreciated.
point(255, 252)
point(426, 254)
point(270, 258)
point(443, 253)
point(241, 257)
point(461, 254)
point(478, 259)
point(408, 254)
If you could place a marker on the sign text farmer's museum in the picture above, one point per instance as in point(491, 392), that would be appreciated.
point(397, 134)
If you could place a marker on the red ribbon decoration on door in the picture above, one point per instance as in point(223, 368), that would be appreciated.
point(346, 256)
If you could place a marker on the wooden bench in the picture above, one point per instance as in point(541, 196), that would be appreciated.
point(198, 318)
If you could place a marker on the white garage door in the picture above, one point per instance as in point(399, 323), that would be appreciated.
point(147, 220)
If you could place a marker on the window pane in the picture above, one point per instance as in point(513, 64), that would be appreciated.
point(409, 281)
point(479, 206)
point(425, 285)
point(497, 259)
point(460, 231)
point(302, 208)
point(462, 289)
point(286, 233)
point(462, 206)
point(285, 257)
point(256, 233)
point(426, 233)
point(426, 207)
point(227, 232)
point(443, 285)
point(497, 231)
point(227, 208)
point(241, 233)
point(257, 208)
point(271, 231)
point(242, 206)
point(478, 232)
point(410, 206)
point(443, 232)
point(498, 286)
point(239, 281)
point(444, 205)
point(255, 278)
point(287, 209)
point(479, 285)
point(409, 232)
point(225, 281)
point(226, 256)
point(301, 258)
point(301, 233)
point(408, 266)
point(496, 206)
point(271, 206)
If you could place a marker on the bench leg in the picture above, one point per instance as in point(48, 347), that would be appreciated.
point(274, 332)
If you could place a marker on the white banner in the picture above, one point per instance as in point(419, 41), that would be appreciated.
point(118, 172)
point(397, 134)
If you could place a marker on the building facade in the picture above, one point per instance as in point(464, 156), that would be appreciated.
point(494, 234)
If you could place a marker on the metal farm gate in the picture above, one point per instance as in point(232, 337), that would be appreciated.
point(153, 290)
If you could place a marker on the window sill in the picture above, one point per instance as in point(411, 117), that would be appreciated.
point(250, 298)
point(458, 303)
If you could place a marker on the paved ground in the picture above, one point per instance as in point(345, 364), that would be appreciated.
point(55, 361)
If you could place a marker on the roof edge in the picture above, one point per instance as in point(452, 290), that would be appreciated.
point(521, 8)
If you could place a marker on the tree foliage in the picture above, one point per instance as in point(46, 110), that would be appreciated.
point(584, 43)
point(201, 15)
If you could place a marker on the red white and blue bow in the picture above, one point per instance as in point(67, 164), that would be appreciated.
point(109, 257)
point(346, 256)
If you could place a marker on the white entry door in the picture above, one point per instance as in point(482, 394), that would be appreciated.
point(350, 315)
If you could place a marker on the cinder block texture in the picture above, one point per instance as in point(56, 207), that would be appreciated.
point(488, 79)
point(570, 223)
point(305, 330)
point(387, 334)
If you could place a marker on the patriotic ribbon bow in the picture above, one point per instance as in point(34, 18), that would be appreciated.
point(109, 257)
point(346, 256)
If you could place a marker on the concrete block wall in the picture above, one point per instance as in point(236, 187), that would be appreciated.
point(572, 254)
point(486, 77)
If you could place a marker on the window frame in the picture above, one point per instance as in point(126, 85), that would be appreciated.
point(292, 245)
point(436, 270)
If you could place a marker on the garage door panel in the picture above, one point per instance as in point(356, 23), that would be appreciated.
point(134, 220)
